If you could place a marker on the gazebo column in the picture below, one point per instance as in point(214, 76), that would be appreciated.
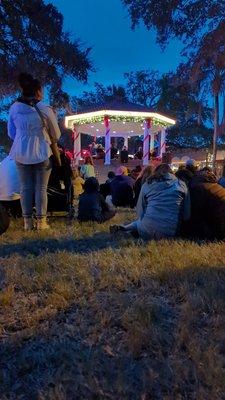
point(147, 126)
point(126, 142)
point(152, 142)
point(107, 141)
point(163, 142)
point(76, 145)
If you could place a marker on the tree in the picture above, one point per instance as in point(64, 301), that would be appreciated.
point(200, 25)
point(187, 20)
point(143, 87)
point(208, 69)
point(101, 95)
point(32, 39)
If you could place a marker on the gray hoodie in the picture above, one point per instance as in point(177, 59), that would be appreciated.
point(161, 206)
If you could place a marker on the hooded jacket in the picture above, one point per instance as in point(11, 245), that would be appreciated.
point(31, 144)
point(162, 204)
point(208, 207)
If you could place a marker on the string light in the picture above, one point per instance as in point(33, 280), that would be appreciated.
point(98, 119)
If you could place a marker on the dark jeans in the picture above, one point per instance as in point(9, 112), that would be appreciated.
point(33, 186)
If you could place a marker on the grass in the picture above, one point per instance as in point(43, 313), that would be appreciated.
point(84, 315)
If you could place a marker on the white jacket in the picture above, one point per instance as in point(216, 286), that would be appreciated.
point(9, 180)
point(31, 145)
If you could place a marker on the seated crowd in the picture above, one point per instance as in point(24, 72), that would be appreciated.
point(190, 203)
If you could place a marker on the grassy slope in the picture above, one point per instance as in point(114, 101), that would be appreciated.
point(86, 316)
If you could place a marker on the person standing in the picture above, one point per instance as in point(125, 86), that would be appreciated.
point(124, 155)
point(31, 147)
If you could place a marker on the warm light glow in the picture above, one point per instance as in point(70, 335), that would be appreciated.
point(116, 113)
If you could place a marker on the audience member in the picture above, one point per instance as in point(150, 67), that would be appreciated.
point(207, 207)
point(163, 202)
point(92, 205)
point(221, 181)
point(192, 166)
point(87, 169)
point(136, 172)
point(78, 183)
point(105, 188)
point(122, 189)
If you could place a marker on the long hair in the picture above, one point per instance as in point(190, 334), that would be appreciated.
point(88, 160)
point(28, 84)
point(145, 173)
point(160, 173)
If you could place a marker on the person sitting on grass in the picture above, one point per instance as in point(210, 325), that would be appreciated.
point(122, 189)
point(92, 205)
point(221, 181)
point(105, 188)
point(163, 202)
point(207, 208)
point(87, 169)
point(78, 183)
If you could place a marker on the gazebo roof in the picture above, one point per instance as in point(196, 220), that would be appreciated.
point(125, 120)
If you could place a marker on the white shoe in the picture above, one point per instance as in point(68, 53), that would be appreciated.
point(42, 224)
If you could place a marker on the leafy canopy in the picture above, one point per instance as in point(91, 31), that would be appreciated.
point(32, 39)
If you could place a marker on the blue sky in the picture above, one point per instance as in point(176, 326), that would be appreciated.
point(105, 26)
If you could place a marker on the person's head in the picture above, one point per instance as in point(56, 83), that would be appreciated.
point(137, 169)
point(121, 171)
point(184, 175)
point(162, 170)
point(91, 185)
point(88, 160)
point(191, 165)
point(146, 173)
point(111, 175)
point(30, 87)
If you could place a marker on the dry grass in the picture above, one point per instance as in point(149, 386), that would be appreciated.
point(86, 316)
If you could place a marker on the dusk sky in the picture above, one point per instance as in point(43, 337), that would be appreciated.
point(106, 27)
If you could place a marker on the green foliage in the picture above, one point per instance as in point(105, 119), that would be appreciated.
point(32, 39)
point(143, 87)
point(5, 142)
point(184, 19)
point(101, 95)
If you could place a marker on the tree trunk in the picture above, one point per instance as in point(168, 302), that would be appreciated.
point(216, 127)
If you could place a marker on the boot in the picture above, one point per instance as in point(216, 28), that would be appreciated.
point(42, 224)
point(28, 223)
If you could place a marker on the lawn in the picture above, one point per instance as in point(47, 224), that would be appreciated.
point(84, 315)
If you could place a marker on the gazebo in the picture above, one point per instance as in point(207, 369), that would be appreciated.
point(120, 121)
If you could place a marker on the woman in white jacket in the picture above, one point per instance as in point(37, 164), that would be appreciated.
point(31, 148)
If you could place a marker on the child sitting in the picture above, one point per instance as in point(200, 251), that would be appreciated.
point(92, 205)
point(77, 183)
